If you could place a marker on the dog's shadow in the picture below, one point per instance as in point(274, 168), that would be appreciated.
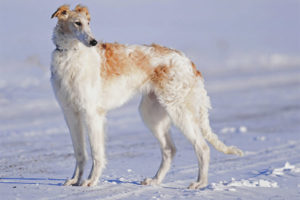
point(117, 181)
point(52, 181)
point(32, 181)
point(59, 182)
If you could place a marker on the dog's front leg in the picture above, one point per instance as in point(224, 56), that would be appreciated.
point(95, 127)
point(75, 127)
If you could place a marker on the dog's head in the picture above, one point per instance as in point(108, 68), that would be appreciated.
point(76, 22)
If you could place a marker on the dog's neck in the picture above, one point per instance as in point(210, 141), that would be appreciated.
point(61, 49)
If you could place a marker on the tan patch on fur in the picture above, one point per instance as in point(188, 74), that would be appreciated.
point(117, 62)
point(196, 72)
point(61, 12)
point(160, 75)
point(83, 10)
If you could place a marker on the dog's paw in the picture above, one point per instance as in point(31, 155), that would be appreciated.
point(197, 185)
point(236, 151)
point(149, 181)
point(72, 181)
point(89, 183)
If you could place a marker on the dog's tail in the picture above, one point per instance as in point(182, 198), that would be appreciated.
point(211, 137)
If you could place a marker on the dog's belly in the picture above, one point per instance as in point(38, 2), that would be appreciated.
point(115, 93)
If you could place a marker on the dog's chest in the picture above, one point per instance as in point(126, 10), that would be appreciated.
point(73, 74)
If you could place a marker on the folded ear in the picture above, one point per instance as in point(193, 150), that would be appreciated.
point(61, 12)
point(83, 10)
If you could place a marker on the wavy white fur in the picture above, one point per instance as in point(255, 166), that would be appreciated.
point(90, 79)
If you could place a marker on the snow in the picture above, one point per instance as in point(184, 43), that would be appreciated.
point(241, 129)
point(287, 168)
point(248, 52)
point(233, 184)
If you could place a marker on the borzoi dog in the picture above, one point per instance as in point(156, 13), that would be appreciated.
point(90, 78)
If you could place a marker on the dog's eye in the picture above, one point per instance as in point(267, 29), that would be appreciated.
point(78, 23)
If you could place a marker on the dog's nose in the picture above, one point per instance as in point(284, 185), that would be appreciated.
point(93, 42)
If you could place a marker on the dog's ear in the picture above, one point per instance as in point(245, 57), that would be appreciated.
point(83, 10)
point(61, 12)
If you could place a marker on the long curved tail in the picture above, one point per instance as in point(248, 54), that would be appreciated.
point(219, 145)
point(200, 95)
point(212, 137)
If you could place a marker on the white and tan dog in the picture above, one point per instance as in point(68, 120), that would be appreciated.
point(91, 78)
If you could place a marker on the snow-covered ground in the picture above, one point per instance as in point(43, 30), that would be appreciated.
point(248, 52)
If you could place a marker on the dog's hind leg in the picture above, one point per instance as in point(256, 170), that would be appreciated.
point(76, 131)
point(157, 120)
point(185, 119)
point(94, 122)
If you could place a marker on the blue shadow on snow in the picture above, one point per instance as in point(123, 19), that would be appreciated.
point(31, 181)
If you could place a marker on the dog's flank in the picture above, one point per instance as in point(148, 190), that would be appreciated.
point(91, 78)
